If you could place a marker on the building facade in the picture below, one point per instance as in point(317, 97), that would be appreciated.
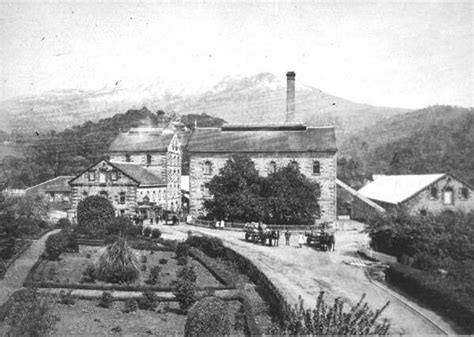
point(270, 147)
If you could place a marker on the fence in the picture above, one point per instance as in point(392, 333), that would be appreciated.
point(241, 225)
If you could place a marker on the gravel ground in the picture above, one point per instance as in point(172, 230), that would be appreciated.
point(305, 272)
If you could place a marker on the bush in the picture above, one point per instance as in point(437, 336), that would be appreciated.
point(94, 214)
point(64, 223)
point(143, 259)
point(182, 250)
point(147, 232)
point(88, 275)
point(118, 225)
point(118, 264)
point(183, 260)
point(185, 293)
point(9, 250)
point(148, 301)
point(134, 231)
point(187, 273)
point(110, 239)
point(163, 261)
point(65, 297)
point(154, 276)
point(106, 300)
point(54, 246)
point(155, 233)
point(210, 245)
point(30, 313)
point(130, 305)
point(69, 242)
point(208, 317)
point(27, 227)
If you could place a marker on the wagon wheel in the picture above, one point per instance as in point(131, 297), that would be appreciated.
point(308, 241)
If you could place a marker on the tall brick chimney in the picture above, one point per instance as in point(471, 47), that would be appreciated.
point(290, 96)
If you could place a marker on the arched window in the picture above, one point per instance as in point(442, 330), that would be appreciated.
point(448, 196)
point(294, 165)
point(465, 192)
point(272, 167)
point(104, 194)
point(127, 158)
point(146, 199)
point(207, 168)
point(148, 159)
point(316, 167)
point(85, 194)
point(434, 192)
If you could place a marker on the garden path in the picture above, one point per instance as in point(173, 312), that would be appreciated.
point(16, 274)
point(305, 272)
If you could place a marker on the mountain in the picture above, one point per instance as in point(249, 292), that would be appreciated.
point(259, 98)
point(435, 139)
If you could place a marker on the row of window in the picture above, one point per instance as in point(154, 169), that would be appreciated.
point(103, 176)
point(448, 194)
point(272, 167)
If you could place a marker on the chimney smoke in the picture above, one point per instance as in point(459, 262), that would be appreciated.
point(290, 96)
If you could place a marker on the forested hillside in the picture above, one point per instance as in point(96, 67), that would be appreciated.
point(436, 139)
point(69, 152)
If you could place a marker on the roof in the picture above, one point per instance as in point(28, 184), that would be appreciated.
point(263, 138)
point(58, 184)
point(140, 174)
point(360, 196)
point(395, 189)
point(142, 139)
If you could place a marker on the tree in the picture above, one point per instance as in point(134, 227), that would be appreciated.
point(30, 206)
point(236, 192)
point(283, 197)
point(94, 214)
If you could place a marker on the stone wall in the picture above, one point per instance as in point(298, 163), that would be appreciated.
point(425, 201)
point(157, 165)
point(326, 178)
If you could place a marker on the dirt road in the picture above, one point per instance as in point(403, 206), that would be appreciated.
point(306, 271)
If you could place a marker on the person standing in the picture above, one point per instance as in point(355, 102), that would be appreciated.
point(287, 237)
point(222, 224)
point(301, 241)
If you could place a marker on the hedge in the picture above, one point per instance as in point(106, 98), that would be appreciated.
point(15, 257)
point(208, 263)
point(252, 328)
point(436, 292)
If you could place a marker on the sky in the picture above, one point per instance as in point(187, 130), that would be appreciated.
point(398, 53)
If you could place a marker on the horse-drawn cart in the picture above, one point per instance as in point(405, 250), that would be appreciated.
point(260, 234)
point(320, 237)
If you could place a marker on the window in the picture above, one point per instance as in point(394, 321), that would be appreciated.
point(148, 159)
point(122, 198)
point(91, 176)
point(294, 165)
point(127, 158)
point(465, 192)
point(146, 199)
point(104, 194)
point(316, 167)
point(85, 194)
point(207, 168)
point(113, 175)
point(434, 192)
point(272, 167)
point(102, 177)
point(448, 196)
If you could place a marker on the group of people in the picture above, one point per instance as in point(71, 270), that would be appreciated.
point(329, 238)
point(219, 224)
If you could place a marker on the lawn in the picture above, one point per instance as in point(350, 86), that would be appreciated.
point(70, 267)
point(85, 318)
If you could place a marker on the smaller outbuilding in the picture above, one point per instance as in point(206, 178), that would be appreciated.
point(57, 189)
point(417, 193)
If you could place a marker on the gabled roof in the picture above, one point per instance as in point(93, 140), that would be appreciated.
point(395, 189)
point(263, 138)
point(142, 140)
point(360, 196)
point(140, 174)
point(58, 184)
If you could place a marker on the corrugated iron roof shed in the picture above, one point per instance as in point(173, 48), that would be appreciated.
point(395, 189)
point(58, 184)
point(267, 139)
point(142, 139)
point(140, 174)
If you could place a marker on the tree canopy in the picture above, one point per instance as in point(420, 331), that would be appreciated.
point(283, 197)
point(94, 215)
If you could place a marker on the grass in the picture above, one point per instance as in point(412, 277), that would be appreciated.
point(71, 265)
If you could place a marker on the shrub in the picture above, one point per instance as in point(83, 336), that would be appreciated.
point(163, 261)
point(148, 300)
point(109, 239)
point(187, 273)
point(65, 297)
point(27, 227)
point(3, 269)
point(64, 223)
point(106, 300)
point(139, 229)
point(208, 317)
point(155, 233)
point(7, 252)
point(94, 214)
point(54, 246)
point(185, 293)
point(130, 305)
point(118, 264)
point(182, 250)
point(134, 231)
point(183, 260)
point(154, 276)
point(143, 259)
point(88, 275)
point(210, 245)
point(30, 313)
point(70, 243)
point(147, 232)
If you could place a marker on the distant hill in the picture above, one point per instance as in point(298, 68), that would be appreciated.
point(436, 139)
point(259, 98)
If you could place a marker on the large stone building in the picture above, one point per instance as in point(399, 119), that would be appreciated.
point(418, 194)
point(270, 146)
